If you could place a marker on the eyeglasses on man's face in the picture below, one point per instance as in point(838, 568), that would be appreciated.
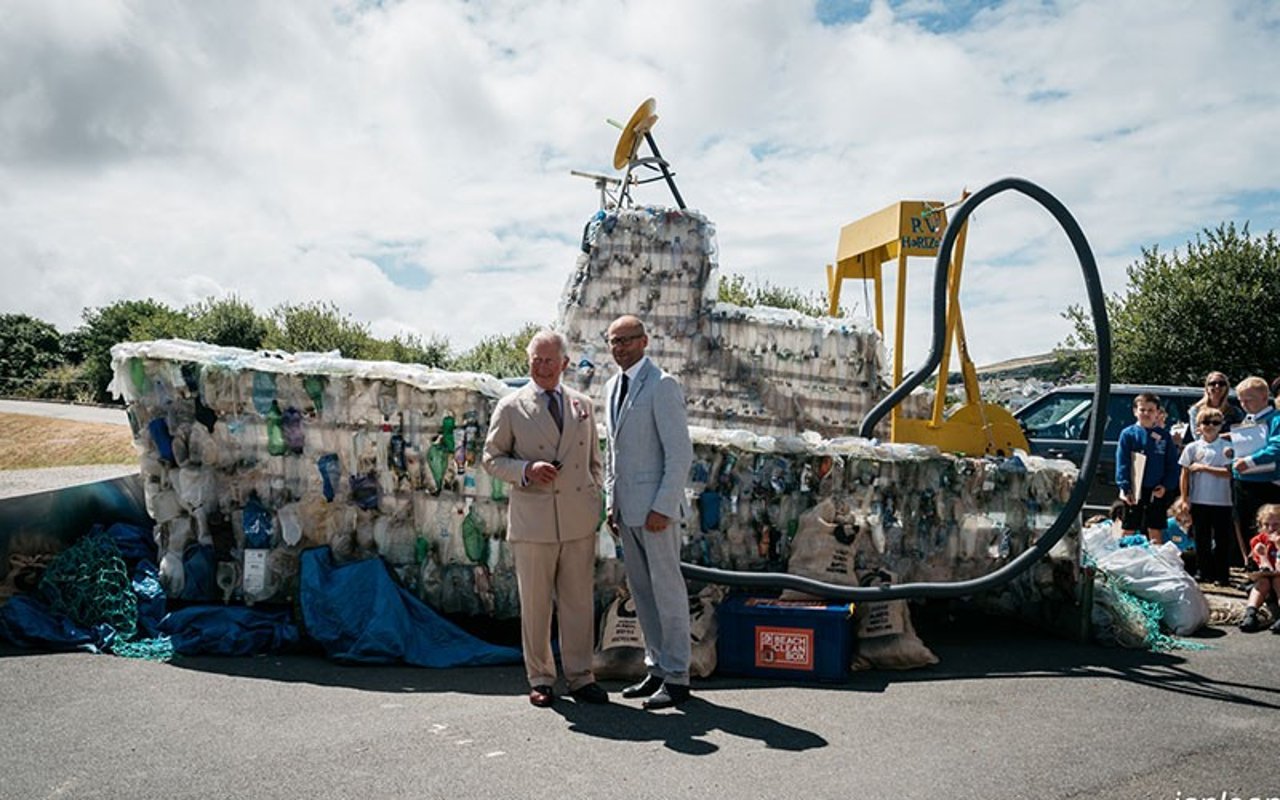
point(616, 341)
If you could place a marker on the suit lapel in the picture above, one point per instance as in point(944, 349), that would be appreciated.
point(571, 423)
point(539, 414)
point(634, 390)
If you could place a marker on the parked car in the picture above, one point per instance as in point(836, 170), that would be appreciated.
point(1057, 422)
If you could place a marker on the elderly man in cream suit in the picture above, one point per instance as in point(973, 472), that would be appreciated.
point(645, 476)
point(542, 440)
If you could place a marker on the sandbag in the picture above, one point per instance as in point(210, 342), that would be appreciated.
point(887, 639)
point(824, 545)
point(619, 653)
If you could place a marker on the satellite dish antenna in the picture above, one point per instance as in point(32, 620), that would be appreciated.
point(625, 155)
point(640, 123)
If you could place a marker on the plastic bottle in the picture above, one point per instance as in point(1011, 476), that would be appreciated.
point(275, 431)
point(474, 537)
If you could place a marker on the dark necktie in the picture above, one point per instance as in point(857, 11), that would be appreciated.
point(622, 394)
point(553, 405)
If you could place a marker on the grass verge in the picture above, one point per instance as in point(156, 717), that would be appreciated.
point(30, 442)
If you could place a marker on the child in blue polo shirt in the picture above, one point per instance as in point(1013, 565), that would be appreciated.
point(1147, 504)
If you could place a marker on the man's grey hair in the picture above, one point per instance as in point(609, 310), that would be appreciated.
point(548, 335)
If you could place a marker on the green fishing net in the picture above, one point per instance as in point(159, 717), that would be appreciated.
point(1133, 613)
point(89, 584)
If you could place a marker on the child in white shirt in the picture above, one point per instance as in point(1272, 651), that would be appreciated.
point(1206, 486)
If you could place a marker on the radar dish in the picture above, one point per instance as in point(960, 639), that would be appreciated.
point(640, 123)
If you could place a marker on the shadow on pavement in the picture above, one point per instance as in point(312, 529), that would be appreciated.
point(969, 649)
point(680, 729)
point(987, 648)
point(318, 670)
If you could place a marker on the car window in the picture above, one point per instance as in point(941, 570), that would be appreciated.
point(1062, 416)
point(1119, 415)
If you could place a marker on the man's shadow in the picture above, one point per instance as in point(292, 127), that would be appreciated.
point(682, 729)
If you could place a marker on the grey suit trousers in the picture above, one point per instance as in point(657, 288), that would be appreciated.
point(652, 561)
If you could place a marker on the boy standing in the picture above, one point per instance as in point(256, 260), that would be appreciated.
point(1257, 474)
point(1147, 503)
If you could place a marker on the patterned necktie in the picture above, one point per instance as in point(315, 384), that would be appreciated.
point(553, 405)
point(622, 394)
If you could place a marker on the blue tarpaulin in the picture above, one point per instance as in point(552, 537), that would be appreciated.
point(358, 613)
point(229, 630)
point(27, 622)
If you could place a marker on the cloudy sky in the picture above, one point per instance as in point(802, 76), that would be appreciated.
point(410, 161)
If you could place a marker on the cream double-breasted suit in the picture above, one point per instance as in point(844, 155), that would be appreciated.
point(551, 527)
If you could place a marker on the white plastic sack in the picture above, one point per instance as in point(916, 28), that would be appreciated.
point(1156, 574)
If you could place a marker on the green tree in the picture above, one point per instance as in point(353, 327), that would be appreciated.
point(735, 289)
point(410, 348)
point(229, 322)
point(64, 382)
point(1182, 315)
point(502, 355)
point(319, 328)
point(124, 321)
point(28, 348)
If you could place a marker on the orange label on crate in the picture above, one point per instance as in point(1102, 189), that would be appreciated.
point(784, 648)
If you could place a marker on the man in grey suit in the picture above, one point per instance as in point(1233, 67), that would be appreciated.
point(542, 440)
point(645, 475)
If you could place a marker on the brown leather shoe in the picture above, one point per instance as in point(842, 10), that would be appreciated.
point(542, 696)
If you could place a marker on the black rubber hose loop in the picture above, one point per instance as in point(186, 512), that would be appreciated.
point(1092, 452)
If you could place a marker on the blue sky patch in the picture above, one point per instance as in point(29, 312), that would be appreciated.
point(401, 271)
point(935, 16)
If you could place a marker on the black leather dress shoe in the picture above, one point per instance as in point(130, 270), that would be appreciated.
point(542, 696)
point(671, 694)
point(590, 693)
point(644, 688)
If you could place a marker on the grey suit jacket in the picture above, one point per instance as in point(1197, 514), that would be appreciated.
point(650, 453)
point(522, 430)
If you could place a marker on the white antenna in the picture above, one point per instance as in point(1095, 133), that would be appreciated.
point(608, 199)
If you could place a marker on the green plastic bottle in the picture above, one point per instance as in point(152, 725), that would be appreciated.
point(275, 432)
point(474, 538)
point(314, 384)
point(446, 433)
point(138, 374)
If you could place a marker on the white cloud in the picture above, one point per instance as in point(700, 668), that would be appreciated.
point(271, 149)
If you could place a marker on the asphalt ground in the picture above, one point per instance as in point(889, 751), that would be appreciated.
point(1007, 713)
point(79, 413)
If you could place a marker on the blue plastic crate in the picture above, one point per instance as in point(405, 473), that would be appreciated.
point(802, 640)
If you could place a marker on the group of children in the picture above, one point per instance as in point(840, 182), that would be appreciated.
point(1152, 469)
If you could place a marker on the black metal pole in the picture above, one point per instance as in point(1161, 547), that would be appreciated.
point(1092, 452)
point(662, 164)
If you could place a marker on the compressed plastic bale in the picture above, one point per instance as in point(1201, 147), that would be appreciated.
point(756, 486)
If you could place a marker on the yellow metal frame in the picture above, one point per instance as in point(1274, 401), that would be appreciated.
point(915, 228)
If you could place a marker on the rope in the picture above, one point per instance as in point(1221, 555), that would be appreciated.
point(89, 584)
point(1144, 615)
